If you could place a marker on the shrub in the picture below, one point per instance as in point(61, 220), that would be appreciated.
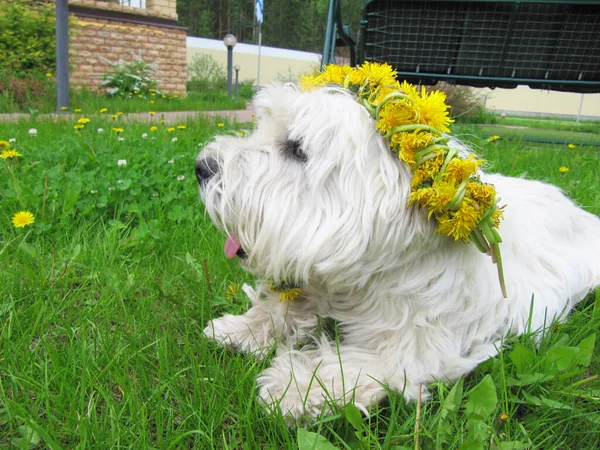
point(129, 78)
point(465, 103)
point(25, 90)
point(205, 72)
point(27, 37)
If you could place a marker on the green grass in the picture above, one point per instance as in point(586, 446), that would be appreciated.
point(104, 298)
point(589, 126)
point(534, 134)
point(90, 102)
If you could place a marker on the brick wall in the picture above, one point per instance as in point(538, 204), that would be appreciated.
point(114, 31)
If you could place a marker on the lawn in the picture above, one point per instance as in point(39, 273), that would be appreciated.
point(103, 300)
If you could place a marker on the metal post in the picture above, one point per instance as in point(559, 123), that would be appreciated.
point(229, 68)
point(237, 73)
point(62, 54)
point(259, 46)
point(329, 45)
point(580, 108)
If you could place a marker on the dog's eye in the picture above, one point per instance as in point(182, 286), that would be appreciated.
point(294, 149)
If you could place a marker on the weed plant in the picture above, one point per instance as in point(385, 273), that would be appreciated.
point(103, 300)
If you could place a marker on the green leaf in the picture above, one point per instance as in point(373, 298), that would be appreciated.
point(525, 379)
point(521, 357)
point(586, 347)
point(482, 399)
point(307, 440)
point(560, 358)
point(354, 416)
point(29, 249)
point(471, 444)
point(532, 399)
point(554, 404)
point(513, 445)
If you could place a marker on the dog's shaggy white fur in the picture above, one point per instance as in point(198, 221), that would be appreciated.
point(316, 198)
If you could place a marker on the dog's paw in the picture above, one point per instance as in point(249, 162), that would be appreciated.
point(236, 332)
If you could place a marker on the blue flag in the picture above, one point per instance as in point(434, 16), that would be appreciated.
point(259, 11)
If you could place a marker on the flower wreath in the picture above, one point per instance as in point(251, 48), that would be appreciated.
point(413, 123)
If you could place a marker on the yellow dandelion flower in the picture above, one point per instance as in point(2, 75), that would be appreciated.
point(79, 126)
point(310, 82)
point(482, 193)
point(409, 89)
point(408, 144)
point(493, 138)
point(232, 290)
point(571, 146)
point(113, 116)
point(64, 108)
point(220, 124)
point(152, 101)
point(151, 113)
point(83, 120)
point(118, 130)
point(459, 224)
point(563, 169)
point(181, 127)
point(103, 110)
point(170, 129)
point(335, 74)
point(48, 74)
point(429, 169)
point(503, 417)
point(459, 169)
point(153, 128)
point(289, 295)
point(432, 110)
point(436, 197)
point(497, 216)
point(77, 110)
point(394, 114)
point(22, 219)
point(162, 121)
point(4, 145)
point(119, 113)
point(10, 154)
point(376, 74)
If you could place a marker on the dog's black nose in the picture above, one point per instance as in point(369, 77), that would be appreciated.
point(206, 168)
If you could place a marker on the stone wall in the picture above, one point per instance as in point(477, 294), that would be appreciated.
point(113, 31)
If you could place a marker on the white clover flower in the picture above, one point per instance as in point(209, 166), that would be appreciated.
point(174, 140)
point(100, 130)
point(171, 161)
point(93, 191)
point(181, 177)
point(121, 138)
point(122, 162)
point(144, 136)
point(110, 188)
point(32, 132)
point(120, 181)
point(155, 194)
point(12, 140)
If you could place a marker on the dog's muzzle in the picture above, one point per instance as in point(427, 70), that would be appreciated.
point(205, 169)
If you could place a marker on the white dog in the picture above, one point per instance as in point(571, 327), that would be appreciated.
point(315, 198)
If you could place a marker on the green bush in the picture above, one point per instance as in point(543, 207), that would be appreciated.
point(205, 72)
point(465, 102)
point(27, 37)
point(129, 78)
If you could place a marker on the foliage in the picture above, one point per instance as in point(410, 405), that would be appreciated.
point(27, 37)
point(23, 91)
point(465, 102)
point(130, 78)
point(287, 24)
point(206, 74)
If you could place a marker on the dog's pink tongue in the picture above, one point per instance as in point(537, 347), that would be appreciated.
point(232, 246)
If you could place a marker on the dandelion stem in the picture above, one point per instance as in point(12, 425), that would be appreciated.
point(205, 265)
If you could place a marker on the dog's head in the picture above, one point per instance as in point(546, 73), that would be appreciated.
point(314, 194)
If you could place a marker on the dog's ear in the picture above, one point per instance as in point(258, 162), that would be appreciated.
point(275, 101)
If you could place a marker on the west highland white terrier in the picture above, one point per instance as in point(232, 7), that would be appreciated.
point(315, 199)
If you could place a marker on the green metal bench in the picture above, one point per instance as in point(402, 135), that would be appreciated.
point(543, 44)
